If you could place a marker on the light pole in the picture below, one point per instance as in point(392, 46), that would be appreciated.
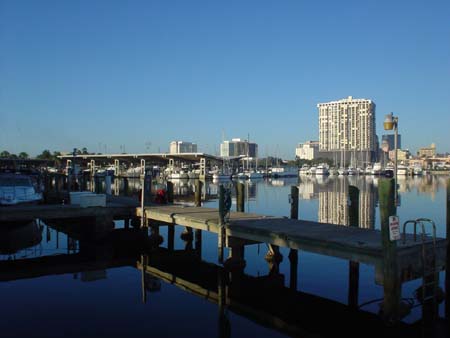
point(391, 122)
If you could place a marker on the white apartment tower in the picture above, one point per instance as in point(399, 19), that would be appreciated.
point(347, 127)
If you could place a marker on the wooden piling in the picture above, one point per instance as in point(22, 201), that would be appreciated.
point(198, 242)
point(198, 193)
point(221, 232)
point(169, 192)
point(293, 254)
point(392, 284)
point(240, 197)
point(353, 278)
point(125, 186)
point(294, 202)
point(143, 219)
point(108, 185)
point(171, 237)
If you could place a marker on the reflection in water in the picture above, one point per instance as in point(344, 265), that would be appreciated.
point(17, 237)
point(333, 199)
point(181, 264)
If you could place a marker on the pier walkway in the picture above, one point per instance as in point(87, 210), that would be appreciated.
point(351, 243)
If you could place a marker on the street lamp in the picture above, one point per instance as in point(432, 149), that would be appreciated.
point(391, 122)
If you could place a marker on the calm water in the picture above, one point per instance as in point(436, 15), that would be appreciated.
point(51, 286)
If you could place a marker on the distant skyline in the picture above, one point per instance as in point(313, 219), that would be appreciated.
point(140, 74)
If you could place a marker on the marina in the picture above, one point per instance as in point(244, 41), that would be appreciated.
point(120, 223)
point(224, 169)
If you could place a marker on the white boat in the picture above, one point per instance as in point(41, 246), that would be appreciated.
point(417, 171)
point(17, 189)
point(322, 170)
point(351, 171)
point(389, 170)
point(402, 170)
point(242, 176)
point(134, 172)
point(312, 170)
point(342, 171)
point(254, 174)
point(303, 170)
point(177, 174)
point(376, 170)
point(368, 170)
point(283, 172)
point(194, 174)
point(333, 171)
point(221, 176)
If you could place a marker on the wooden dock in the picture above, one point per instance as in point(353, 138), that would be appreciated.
point(350, 243)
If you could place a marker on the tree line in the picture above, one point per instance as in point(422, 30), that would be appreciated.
point(44, 155)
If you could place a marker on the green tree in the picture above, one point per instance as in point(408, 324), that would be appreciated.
point(23, 155)
point(45, 155)
point(5, 153)
point(84, 151)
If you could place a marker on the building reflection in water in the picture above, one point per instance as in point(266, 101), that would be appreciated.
point(333, 200)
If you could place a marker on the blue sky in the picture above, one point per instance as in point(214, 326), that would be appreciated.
point(142, 73)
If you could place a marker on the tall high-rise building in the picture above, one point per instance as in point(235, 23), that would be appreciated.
point(238, 147)
point(347, 130)
point(178, 147)
point(389, 141)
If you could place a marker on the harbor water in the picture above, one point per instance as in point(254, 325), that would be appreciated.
point(63, 298)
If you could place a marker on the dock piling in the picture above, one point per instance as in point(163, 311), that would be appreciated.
point(353, 279)
point(392, 285)
point(293, 253)
point(169, 186)
point(221, 232)
point(240, 197)
point(198, 193)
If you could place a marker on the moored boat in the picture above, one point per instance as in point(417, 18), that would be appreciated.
point(18, 189)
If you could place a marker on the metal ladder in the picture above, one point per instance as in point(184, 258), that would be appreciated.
point(427, 294)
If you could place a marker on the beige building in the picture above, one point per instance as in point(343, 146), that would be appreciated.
point(347, 127)
point(307, 150)
point(427, 151)
point(402, 155)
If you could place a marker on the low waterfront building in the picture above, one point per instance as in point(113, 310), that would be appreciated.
point(307, 150)
point(402, 155)
point(179, 147)
point(427, 151)
point(238, 147)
